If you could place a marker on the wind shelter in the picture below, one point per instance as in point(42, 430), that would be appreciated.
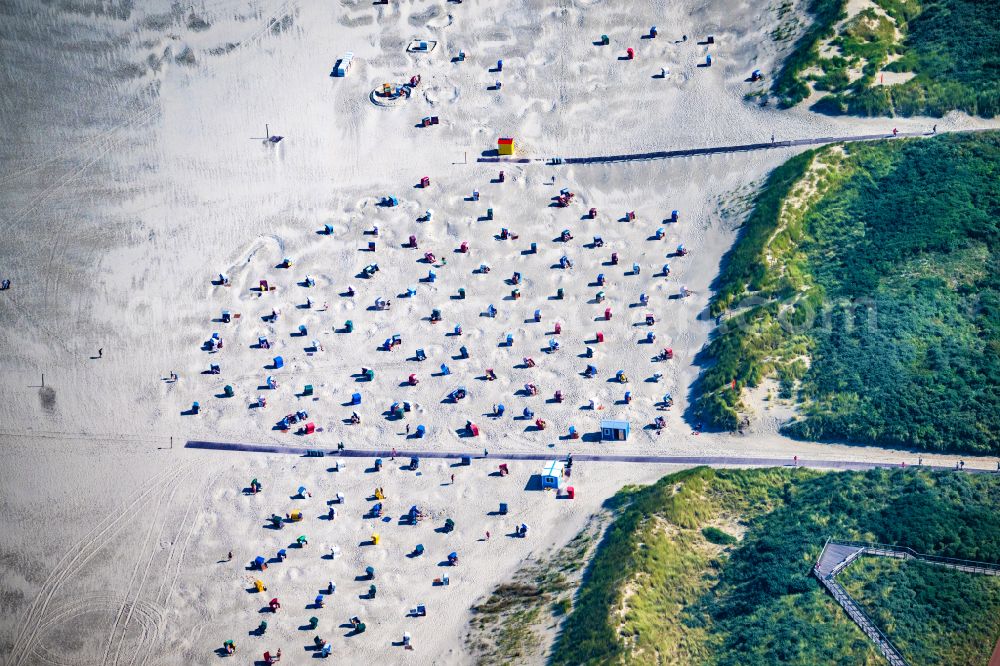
point(552, 474)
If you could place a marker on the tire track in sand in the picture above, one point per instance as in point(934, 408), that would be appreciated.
point(160, 513)
point(75, 558)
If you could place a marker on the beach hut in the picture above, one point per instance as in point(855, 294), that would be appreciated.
point(259, 586)
point(355, 399)
point(343, 65)
point(552, 474)
point(259, 563)
point(421, 432)
point(279, 362)
point(228, 391)
point(505, 145)
point(614, 431)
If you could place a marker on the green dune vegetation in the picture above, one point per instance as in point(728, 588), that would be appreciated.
point(866, 286)
point(933, 56)
point(932, 615)
point(663, 589)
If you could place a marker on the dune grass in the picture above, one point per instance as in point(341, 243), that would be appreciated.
point(934, 616)
point(657, 591)
point(949, 46)
point(865, 281)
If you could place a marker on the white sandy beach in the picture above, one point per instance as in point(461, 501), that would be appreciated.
point(135, 172)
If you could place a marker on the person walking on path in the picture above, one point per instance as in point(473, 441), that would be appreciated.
point(393, 457)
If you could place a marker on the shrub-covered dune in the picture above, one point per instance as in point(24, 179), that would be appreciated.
point(662, 589)
point(866, 281)
point(944, 50)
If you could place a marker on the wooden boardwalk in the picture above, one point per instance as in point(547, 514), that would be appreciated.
point(837, 555)
point(712, 461)
point(714, 150)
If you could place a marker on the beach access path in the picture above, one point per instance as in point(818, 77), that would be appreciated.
point(711, 461)
point(714, 150)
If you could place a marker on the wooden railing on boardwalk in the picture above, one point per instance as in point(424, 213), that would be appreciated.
point(837, 555)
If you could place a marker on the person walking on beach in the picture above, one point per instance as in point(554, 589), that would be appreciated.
point(100, 353)
point(487, 535)
point(407, 432)
point(229, 557)
point(452, 479)
point(393, 457)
